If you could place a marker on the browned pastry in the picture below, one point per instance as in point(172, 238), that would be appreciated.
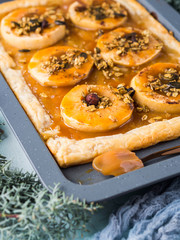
point(69, 143)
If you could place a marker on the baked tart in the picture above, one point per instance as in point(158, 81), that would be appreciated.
point(60, 66)
point(93, 76)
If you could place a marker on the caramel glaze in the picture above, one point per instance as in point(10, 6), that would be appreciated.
point(84, 40)
point(117, 162)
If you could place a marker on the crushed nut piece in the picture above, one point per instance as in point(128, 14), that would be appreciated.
point(102, 11)
point(167, 82)
point(124, 94)
point(99, 33)
point(35, 23)
point(154, 119)
point(100, 102)
point(108, 68)
point(144, 117)
point(143, 108)
point(43, 95)
point(72, 58)
point(124, 43)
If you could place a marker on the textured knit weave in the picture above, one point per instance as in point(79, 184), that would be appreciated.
point(153, 216)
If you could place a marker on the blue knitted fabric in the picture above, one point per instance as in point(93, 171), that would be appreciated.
point(153, 216)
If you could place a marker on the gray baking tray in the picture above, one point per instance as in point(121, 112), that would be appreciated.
point(82, 181)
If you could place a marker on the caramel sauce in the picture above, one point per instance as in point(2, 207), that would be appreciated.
point(117, 162)
point(84, 40)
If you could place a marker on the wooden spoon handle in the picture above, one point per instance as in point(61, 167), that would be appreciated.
point(172, 151)
point(166, 152)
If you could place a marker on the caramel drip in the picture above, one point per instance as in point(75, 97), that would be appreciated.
point(117, 162)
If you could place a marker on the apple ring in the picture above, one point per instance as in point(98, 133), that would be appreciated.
point(103, 15)
point(60, 66)
point(33, 28)
point(158, 87)
point(95, 108)
point(128, 46)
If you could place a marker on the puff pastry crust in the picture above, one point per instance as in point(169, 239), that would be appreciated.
point(71, 152)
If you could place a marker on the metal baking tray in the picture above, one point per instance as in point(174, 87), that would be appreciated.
point(82, 181)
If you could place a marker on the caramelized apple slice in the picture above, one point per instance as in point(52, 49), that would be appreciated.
point(128, 46)
point(95, 108)
point(117, 162)
point(102, 15)
point(60, 66)
point(158, 87)
point(33, 28)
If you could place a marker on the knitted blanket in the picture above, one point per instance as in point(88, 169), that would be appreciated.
point(153, 216)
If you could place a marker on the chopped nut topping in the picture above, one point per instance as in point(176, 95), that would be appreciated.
point(27, 25)
point(143, 108)
point(102, 11)
point(124, 93)
point(99, 33)
point(22, 61)
point(35, 23)
point(94, 101)
point(144, 117)
point(91, 108)
point(124, 43)
point(72, 58)
point(43, 95)
point(167, 82)
point(154, 119)
point(101, 102)
point(108, 68)
point(58, 22)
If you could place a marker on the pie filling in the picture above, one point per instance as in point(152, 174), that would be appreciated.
point(105, 72)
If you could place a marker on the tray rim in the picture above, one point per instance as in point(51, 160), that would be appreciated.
point(49, 171)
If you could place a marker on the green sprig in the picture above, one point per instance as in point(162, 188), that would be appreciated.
point(28, 211)
point(174, 3)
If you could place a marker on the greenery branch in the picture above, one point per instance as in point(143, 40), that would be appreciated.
point(28, 211)
point(174, 3)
